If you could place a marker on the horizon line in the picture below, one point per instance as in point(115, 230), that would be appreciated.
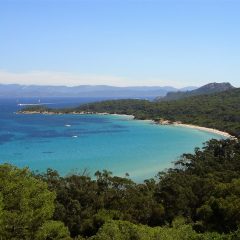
point(103, 85)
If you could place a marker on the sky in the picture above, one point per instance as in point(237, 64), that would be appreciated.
point(120, 42)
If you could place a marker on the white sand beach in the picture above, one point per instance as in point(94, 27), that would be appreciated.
point(211, 130)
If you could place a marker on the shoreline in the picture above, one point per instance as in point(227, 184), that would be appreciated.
point(178, 124)
point(205, 129)
point(161, 122)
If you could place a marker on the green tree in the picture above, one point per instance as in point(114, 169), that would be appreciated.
point(1, 214)
point(122, 230)
point(52, 230)
point(27, 203)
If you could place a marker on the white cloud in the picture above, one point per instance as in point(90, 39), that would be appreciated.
point(68, 79)
point(57, 78)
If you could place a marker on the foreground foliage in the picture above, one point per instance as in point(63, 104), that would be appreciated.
point(197, 199)
point(26, 205)
point(121, 230)
point(204, 188)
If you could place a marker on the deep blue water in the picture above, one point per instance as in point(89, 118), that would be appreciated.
point(70, 143)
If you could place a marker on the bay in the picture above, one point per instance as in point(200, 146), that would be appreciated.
point(75, 143)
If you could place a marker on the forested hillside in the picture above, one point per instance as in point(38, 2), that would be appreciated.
point(220, 110)
point(206, 89)
point(196, 200)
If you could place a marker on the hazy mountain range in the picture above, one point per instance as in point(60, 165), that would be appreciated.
point(16, 90)
point(160, 93)
point(206, 89)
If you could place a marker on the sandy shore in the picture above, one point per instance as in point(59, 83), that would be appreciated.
point(179, 124)
point(121, 115)
point(211, 130)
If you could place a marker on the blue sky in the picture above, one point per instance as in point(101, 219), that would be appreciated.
point(120, 42)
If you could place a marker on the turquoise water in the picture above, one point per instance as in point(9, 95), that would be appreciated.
point(72, 143)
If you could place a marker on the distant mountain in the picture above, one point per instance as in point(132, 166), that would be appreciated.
point(15, 90)
point(190, 88)
point(206, 89)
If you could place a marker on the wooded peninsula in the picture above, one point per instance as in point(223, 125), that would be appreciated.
point(219, 111)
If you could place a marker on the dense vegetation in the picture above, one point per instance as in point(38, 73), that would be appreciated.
point(219, 110)
point(198, 199)
point(206, 89)
point(26, 207)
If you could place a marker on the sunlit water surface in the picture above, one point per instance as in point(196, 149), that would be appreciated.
point(73, 143)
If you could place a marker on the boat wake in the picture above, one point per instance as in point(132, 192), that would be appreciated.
point(33, 104)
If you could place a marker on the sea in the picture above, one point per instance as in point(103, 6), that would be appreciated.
point(84, 144)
